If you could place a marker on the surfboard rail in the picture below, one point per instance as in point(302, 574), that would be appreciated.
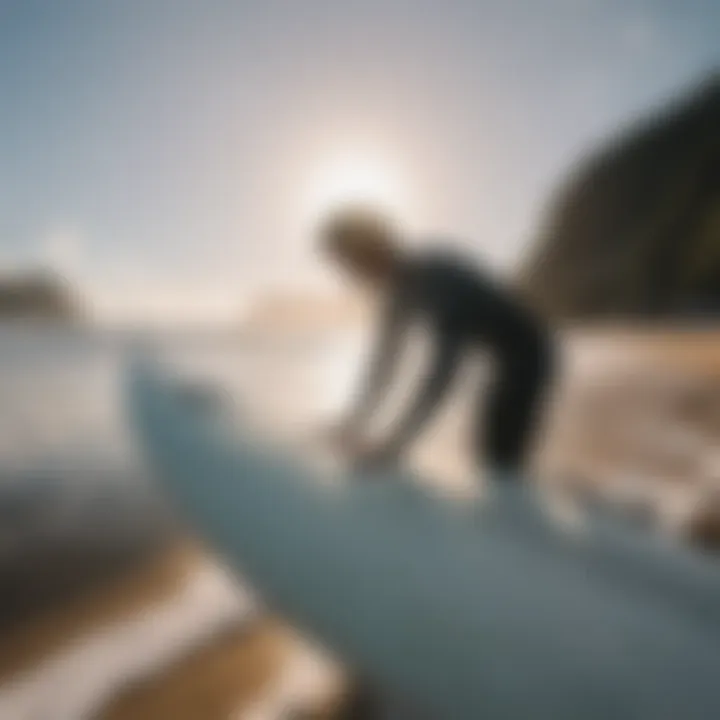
point(432, 603)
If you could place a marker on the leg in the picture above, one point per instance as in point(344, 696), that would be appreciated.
point(508, 417)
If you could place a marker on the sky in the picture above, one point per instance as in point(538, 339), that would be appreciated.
point(178, 152)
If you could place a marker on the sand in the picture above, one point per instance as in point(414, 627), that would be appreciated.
point(228, 675)
point(214, 681)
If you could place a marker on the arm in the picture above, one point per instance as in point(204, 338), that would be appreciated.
point(442, 372)
point(394, 323)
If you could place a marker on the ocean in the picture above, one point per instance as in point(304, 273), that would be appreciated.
point(77, 503)
point(78, 506)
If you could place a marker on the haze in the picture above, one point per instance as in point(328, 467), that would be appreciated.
point(174, 154)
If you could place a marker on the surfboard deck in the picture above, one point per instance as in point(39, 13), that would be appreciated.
point(456, 612)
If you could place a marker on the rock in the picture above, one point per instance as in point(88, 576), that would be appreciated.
point(635, 231)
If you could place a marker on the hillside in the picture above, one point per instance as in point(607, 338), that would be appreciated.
point(36, 295)
point(635, 231)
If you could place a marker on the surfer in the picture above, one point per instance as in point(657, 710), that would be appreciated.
point(463, 309)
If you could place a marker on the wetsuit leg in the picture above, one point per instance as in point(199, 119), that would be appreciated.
point(509, 414)
point(361, 703)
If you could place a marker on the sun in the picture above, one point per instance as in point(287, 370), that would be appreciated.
point(352, 177)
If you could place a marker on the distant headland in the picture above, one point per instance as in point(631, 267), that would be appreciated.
point(37, 294)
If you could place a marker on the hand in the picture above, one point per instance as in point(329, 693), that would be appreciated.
point(343, 439)
point(376, 458)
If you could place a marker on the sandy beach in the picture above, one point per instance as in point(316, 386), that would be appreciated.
point(234, 672)
point(215, 653)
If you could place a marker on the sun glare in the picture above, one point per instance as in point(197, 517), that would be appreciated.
point(356, 178)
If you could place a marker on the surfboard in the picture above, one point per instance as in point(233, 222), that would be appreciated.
point(441, 607)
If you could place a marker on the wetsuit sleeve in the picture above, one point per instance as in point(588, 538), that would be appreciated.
point(442, 371)
point(393, 327)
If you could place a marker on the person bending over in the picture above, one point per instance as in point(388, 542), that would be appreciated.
point(462, 308)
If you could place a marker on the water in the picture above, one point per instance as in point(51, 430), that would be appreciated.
point(75, 496)
point(67, 455)
point(68, 463)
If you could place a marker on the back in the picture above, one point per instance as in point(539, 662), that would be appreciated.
point(455, 295)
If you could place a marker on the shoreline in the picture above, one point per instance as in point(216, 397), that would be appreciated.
point(106, 558)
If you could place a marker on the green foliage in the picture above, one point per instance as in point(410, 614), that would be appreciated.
point(635, 232)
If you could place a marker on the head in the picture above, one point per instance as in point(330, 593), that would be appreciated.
point(363, 242)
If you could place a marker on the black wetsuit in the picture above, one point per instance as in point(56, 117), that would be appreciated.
point(464, 309)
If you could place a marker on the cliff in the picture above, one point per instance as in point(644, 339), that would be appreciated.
point(635, 231)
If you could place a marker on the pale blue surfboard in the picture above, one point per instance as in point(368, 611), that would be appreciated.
point(443, 607)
